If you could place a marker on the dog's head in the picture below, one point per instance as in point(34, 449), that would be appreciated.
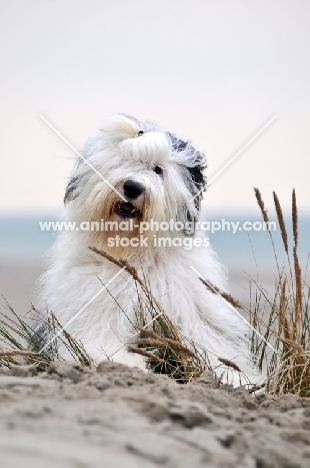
point(137, 173)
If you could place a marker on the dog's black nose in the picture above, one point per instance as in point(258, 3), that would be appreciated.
point(132, 189)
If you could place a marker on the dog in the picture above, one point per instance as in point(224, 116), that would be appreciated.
point(147, 184)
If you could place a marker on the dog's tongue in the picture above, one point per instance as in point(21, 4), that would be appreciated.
point(126, 206)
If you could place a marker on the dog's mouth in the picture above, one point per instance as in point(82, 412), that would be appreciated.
point(126, 210)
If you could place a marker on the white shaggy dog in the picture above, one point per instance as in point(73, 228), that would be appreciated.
point(140, 174)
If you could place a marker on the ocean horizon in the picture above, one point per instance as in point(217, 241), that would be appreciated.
point(20, 236)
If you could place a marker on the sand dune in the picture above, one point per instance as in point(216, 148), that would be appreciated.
point(119, 417)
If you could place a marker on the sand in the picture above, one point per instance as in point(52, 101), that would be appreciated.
point(122, 417)
point(118, 417)
point(19, 275)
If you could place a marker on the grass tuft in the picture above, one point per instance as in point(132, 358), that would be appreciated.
point(20, 339)
point(288, 325)
point(157, 338)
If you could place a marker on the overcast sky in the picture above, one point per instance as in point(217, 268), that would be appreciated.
point(213, 71)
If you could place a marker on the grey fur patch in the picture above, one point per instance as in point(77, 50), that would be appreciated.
point(196, 176)
point(71, 189)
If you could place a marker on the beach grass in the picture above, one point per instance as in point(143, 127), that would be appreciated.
point(23, 341)
point(157, 339)
point(287, 360)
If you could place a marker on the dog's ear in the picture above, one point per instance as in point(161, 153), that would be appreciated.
point(198, 176)
point(195, 171)
point(177, 144)
point(71, 188)
point(200, 182)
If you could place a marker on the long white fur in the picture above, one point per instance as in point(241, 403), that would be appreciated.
point(76, 274)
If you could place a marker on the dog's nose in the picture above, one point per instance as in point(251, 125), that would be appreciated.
point(132, 189)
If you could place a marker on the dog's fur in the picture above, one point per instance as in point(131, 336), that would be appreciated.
point(170, 172)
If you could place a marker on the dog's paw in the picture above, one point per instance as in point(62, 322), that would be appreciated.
point(98, 354)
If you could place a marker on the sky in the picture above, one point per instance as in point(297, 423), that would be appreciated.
point(212, 71)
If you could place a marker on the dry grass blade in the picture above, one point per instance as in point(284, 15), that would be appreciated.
point(256, 388)
point(282, 312)
point(150, 333)
point(297, 269)
point(78, 349)
point(17, 352)
point(288, 326)
point(168, 342)
point(234, 302)
point(176, 359)
point(262, 206)
point(130, 269)
point(281, 221)
point(294, 218)
point(298, 292)
point(143, 352)
point(293, 345)
point(267, 222)
point(116, 261)
point(229, 363)
point(148, 342)
point(169, 355)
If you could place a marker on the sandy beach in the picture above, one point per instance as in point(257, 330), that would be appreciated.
point(19, 276)
point(118, 416)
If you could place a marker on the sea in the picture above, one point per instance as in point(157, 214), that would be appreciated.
point(249, 256)
point(21, 236)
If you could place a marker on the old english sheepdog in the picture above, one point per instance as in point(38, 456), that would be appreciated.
point(135, 192)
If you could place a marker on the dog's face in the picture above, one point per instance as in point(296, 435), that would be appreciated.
point(147, 175)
